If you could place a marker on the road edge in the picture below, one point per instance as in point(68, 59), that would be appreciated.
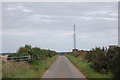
point(49, 68)
point(76, 67)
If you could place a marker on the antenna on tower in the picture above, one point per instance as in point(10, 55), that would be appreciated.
point(74, 37)
point(75, 51)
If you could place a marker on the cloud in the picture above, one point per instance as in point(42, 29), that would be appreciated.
point(19, 32)
point(97, 18)
point(114, 14)
point(67, 34)
point(23, 9)
point(103, 13)
point(18, 8)
point(111, 19)
point(42, 16)
point(50, 18)
point(85, 17)
point(97, 12)
point(107, 18)
point(41, 20)
point(11, 8)
point(26, 10)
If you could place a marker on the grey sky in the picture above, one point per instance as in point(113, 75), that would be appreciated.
point(50, 25)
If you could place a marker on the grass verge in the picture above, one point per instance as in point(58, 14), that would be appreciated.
point(25, 70)
point(85, 68)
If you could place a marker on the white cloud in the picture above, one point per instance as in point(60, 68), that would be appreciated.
point(97, 18)
point(18, 8)
point(97, 12)
point(85, 17)
point(67, 34)
point(83, 36)
point(114, 14)
point(26, 10)
point(41, 18)
point(23, 9)
point(91, 18)
point(11, 8)
point(18, 33)
point(111, 19)
point(107, 18)
point(48, 20)
point(57, 18)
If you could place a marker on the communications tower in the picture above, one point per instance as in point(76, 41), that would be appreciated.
point(74, 38)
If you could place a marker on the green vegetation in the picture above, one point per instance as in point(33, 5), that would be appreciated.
point(105, 60)
point(98, 58)
point(102, 60)
point(114, 61)
point(40, 61)
point(85, 67)
point(25, 70)
point(35, 53)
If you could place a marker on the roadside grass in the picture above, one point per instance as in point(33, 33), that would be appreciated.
point(0, 68)
point(25, 70)
point(85, 68)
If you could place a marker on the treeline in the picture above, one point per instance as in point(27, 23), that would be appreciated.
point(35, 53)
point(104, 60)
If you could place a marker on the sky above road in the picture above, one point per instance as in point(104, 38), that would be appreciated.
point(49, 25)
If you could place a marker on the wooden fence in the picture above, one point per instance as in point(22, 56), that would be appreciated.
point(20, 58)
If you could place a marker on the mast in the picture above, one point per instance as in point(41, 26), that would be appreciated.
point(74, 37)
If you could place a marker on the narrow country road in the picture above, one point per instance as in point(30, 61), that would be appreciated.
point(63, 68)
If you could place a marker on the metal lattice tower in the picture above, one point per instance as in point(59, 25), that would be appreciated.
point(74, 37)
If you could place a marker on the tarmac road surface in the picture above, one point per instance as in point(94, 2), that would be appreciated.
point(63, 68)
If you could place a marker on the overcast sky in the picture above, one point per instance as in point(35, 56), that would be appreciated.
point(49, 25)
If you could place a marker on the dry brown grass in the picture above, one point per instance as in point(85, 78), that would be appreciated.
point(4, 57)
point(9, 68)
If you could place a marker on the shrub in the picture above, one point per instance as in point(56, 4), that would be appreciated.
point(114, 61)
point(90, 56)
point(34, 52)
point(98, 58)
point(99, 61)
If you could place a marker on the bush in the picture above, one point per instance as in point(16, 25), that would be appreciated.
point(90, 56)
point(103, 60)
point(98, 59)
point(34, 52)
point(114, 61)
point(85, 68)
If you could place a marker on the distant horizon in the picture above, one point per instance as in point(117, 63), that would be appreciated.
point(71, 49)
